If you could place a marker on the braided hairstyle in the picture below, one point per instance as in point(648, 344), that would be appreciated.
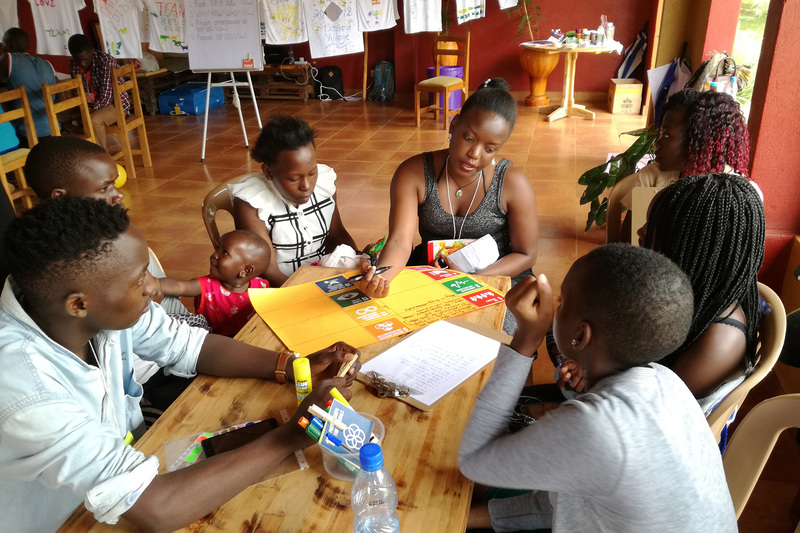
point(281, 133)
point(716, 132)
point(713, 227)
point(61, 240)
point(493, 95)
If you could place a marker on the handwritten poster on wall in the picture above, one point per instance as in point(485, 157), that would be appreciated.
point(167, 24)
point(119, 25)
point(55, 22)
point(223, 35)
point(332, 28)
point(283, 21)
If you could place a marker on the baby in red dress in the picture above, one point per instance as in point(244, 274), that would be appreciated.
point(222, 296)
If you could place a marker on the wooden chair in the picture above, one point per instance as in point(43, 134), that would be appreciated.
point(752, 443)
point(14, 161)
point(444, 85)
point(218, 198)
point(68, 101)
point(771, 333)
point(126, 123)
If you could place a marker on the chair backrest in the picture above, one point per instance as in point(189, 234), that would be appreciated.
point(128, 73)
point(218, 198)
point(771, 333)
point(462, 50)
point(78, 99)
point(614, 208)
point(752, 443)
point(23, 112)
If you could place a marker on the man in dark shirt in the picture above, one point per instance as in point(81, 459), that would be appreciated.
point(96, 69)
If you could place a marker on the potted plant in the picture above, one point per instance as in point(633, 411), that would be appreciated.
point(537, 63)
point(602, 177)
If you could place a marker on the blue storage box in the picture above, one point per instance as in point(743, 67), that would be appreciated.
point(190, 97)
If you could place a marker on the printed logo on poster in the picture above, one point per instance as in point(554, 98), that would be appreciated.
point(484, 298)
point(439, 274)
point(387, 328)
point(367, 312)
point(462, 285)
point(333, 284)
point(350, 298)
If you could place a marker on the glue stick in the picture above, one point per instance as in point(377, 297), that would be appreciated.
point(302, 378)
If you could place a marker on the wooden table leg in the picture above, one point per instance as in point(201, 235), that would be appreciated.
point(568, 106)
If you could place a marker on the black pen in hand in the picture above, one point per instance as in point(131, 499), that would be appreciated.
point(359, 277)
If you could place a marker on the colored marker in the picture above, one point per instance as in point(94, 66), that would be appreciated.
point(311, 430)
point(359, 277)
point(337, 442)
point(338, 395)
point(559, 366)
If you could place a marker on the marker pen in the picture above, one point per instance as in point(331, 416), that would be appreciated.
point(338, 395)
point(311, 430)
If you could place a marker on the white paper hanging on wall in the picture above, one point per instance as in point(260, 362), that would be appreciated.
point(422, 15)
point(328, 37)
point(120, 27)
point(505, 4)
point(467, 10)
point(374, 15)
point(283, 21)
point(167, 25)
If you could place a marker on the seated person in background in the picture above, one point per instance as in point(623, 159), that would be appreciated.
point(700, 133)
point(291, 203)
point(18, 68)
point(463, 191)
point(61, 166)
point(96, 69)
point(634, 453)
point(712, 227)
point(70, 316)
point(222, 296)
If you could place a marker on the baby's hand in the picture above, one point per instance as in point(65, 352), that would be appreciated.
point(159, 295)
point(570, 376)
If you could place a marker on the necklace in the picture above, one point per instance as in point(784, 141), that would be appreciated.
point(459, 192)
point(450, 203)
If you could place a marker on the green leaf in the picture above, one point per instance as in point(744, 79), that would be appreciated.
point(600, 217)
point(593, 190)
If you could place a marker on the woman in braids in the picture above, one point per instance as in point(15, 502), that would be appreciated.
point(712, 226)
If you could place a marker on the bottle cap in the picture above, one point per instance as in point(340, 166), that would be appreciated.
point(303, 422)
point(371, 457)
point(302, 369)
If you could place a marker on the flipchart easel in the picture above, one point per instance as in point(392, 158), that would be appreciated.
point(236, 103)
point(224, 37)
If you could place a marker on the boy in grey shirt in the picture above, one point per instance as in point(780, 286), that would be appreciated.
point(632, 454)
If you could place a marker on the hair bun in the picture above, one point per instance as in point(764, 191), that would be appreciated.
point(496, 83)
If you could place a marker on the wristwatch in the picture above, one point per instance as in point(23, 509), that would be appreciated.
point(280, 369)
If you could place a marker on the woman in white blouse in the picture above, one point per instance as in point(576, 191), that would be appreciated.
point(292, 202)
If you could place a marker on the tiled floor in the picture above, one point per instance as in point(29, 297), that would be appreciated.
point(364, 143)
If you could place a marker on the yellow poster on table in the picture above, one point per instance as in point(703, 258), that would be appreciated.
point(312, 316)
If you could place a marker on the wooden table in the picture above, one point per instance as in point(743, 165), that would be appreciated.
point(286, 82)
point(568, 106)
point(421, 449)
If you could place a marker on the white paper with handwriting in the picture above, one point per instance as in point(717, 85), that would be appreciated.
point(434, 360)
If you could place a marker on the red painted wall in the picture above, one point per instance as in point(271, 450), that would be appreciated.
point(775, 135)
point(494, 52)
point(721, 31)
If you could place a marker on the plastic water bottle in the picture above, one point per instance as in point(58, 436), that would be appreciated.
point(374, 495)
point(291, 56)
point(382, 93)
